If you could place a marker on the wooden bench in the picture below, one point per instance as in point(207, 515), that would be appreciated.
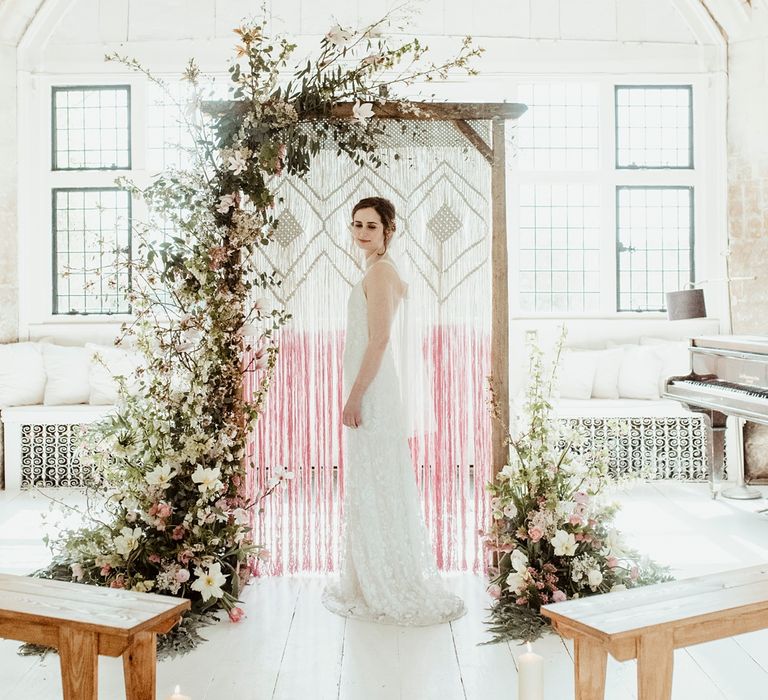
point(85, 621)
point(650, 622)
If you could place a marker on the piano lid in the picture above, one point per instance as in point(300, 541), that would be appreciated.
point(755, 344)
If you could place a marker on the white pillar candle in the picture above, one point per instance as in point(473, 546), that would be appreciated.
point(530, 676)
point(177, 695)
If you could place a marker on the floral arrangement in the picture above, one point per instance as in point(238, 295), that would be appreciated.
point(176, 517)
point(552, 530)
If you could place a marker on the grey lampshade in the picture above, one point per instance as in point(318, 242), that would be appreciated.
point(687, 303)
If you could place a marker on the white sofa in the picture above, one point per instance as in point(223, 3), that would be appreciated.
point(48, 390)
point(620, 406)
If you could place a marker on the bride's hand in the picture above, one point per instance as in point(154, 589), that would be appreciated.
point(352, 415)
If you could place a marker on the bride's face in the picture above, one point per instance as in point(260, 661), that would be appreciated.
point(367, 230)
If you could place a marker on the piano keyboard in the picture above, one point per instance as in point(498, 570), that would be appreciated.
point(740, 400)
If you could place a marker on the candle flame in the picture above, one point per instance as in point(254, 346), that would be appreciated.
point(177, 689)
point(530, 648)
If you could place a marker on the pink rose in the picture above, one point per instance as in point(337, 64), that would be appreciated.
point(494, 591)
point(178, 533)
point(581, 497)
point(612, 562)
point(164, 510)
point(154, 558)
point(236, 614)
point(558, 596)
point(118, 582)
point(182, 575)
point(235, 480)
point(575, 519)
point(105, 570)
point(578, 537)
point(535, 533)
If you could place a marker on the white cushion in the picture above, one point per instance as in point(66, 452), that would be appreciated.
point(22, 375)
point(107, 363)
point(576, 374)
point(66, 370)
point(639, 373)
point(674, 355)
point(607, 368)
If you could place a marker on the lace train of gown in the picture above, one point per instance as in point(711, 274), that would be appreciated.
point(388, 572)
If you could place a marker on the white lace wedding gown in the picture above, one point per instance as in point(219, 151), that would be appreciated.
point(388, 572)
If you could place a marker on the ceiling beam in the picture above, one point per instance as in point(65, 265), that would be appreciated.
point(39, 30)
point(701, 23)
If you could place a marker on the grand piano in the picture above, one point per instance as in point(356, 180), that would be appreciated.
point(729, 377)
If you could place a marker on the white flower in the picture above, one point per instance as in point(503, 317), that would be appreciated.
point(595, 578)
point(207, 479)
point(618, 587)
point(362, 112)
point(237, 162)
point(143, 586)
point(241, 516)
point(564, 544)
point(613, 543)
point(519, 561)
point(510, 511)
point(226, 202)
point(160, 476)
point(77, 571)
point(516, 582)
point(127, 540)
point(339, 37)
point(208, 583)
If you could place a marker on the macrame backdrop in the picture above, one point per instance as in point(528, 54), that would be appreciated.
point(440, 186)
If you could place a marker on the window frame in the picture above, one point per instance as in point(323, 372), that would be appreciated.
point(710, 235)
point(691, 125)
point(55, 89)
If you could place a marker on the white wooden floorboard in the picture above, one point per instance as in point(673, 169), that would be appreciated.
point(371, 665)
point(487, 671)
point(734, 672)
point(311, 665)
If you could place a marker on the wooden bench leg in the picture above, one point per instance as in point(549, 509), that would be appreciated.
point(140, 667)
point(590, 664)
point(655, 657)
point(79, 658)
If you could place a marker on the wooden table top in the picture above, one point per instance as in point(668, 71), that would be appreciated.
point(624, 613)
point(95, 608)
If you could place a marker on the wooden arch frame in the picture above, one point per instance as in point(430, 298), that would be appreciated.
point(460, 114)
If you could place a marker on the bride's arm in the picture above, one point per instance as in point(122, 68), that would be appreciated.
point(382, 300)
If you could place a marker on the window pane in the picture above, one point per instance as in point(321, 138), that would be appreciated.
point(560, 130)
point(654, 245)
point(91, 128)
point(92, 243)
point(654, 126)
point(168, 136)
point(559, 248)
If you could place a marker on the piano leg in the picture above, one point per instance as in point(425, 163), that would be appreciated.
point(714, 447)
point(740, 490)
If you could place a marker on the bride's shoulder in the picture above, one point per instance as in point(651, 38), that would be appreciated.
point(383, 273)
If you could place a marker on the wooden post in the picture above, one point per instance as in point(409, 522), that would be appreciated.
point(499, 295)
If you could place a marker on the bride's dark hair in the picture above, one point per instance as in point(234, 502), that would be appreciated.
point(386, 211)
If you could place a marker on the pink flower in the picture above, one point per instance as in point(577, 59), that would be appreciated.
point(574, 519)
point(164, 510)
point(612, 562)
point(581, 497)
point(558, 596)
point(154, 558)
point(535, 533)
point(185, 557)
point(105, 570)
point(118, 582)
point(178, 533)
point(494, 591)
point(236, 614)
point(521, 601)
point(634, 572)
point(235, 480)
point(264, 555)
point(578, 537)
point(182, 575)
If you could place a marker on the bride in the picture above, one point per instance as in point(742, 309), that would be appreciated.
point(388, 572)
